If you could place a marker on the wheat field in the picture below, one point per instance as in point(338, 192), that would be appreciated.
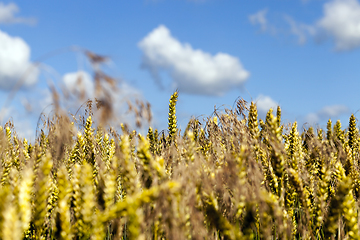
point(229, 176)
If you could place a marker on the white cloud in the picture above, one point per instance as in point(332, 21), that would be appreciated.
point(312, 118)
point(333, 111)
point(341, 21)
point(21, 121)
point(264, 103)
point(259, 18)
point(26, 109)
point(326, 113)
point(192, 70)
point(43, 100)
point(15, 62)
point(79, 83)
point(300, 30)
point(7, 13)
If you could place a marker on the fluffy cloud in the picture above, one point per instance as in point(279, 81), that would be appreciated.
point(79, 83)
point(192, 70)
point(23, 126)
point(341, 21)
point(264, 103)
point(15, 62)
point(7, 13)
point(326, 113)
point(82, 83)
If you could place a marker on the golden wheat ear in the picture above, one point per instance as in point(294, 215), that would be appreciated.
point(63, 228)
point(329, 131)
point(42, 195)
point(353, 134)
point(172, 123)
point(253, 124)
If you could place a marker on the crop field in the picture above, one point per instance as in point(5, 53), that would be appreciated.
point(230, 176)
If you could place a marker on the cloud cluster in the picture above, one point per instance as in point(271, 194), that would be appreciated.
point(7, 15)
point(193, 71)
point(15, 62)
point(326, 113)
point(264, 103)
point(79, 83)
point(82, 83)
point(23, 124)
point(73, 83)
point(340, 21)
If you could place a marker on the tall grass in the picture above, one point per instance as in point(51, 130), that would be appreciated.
point(231, 176)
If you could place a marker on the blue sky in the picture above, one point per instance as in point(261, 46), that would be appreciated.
point(301, 54)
